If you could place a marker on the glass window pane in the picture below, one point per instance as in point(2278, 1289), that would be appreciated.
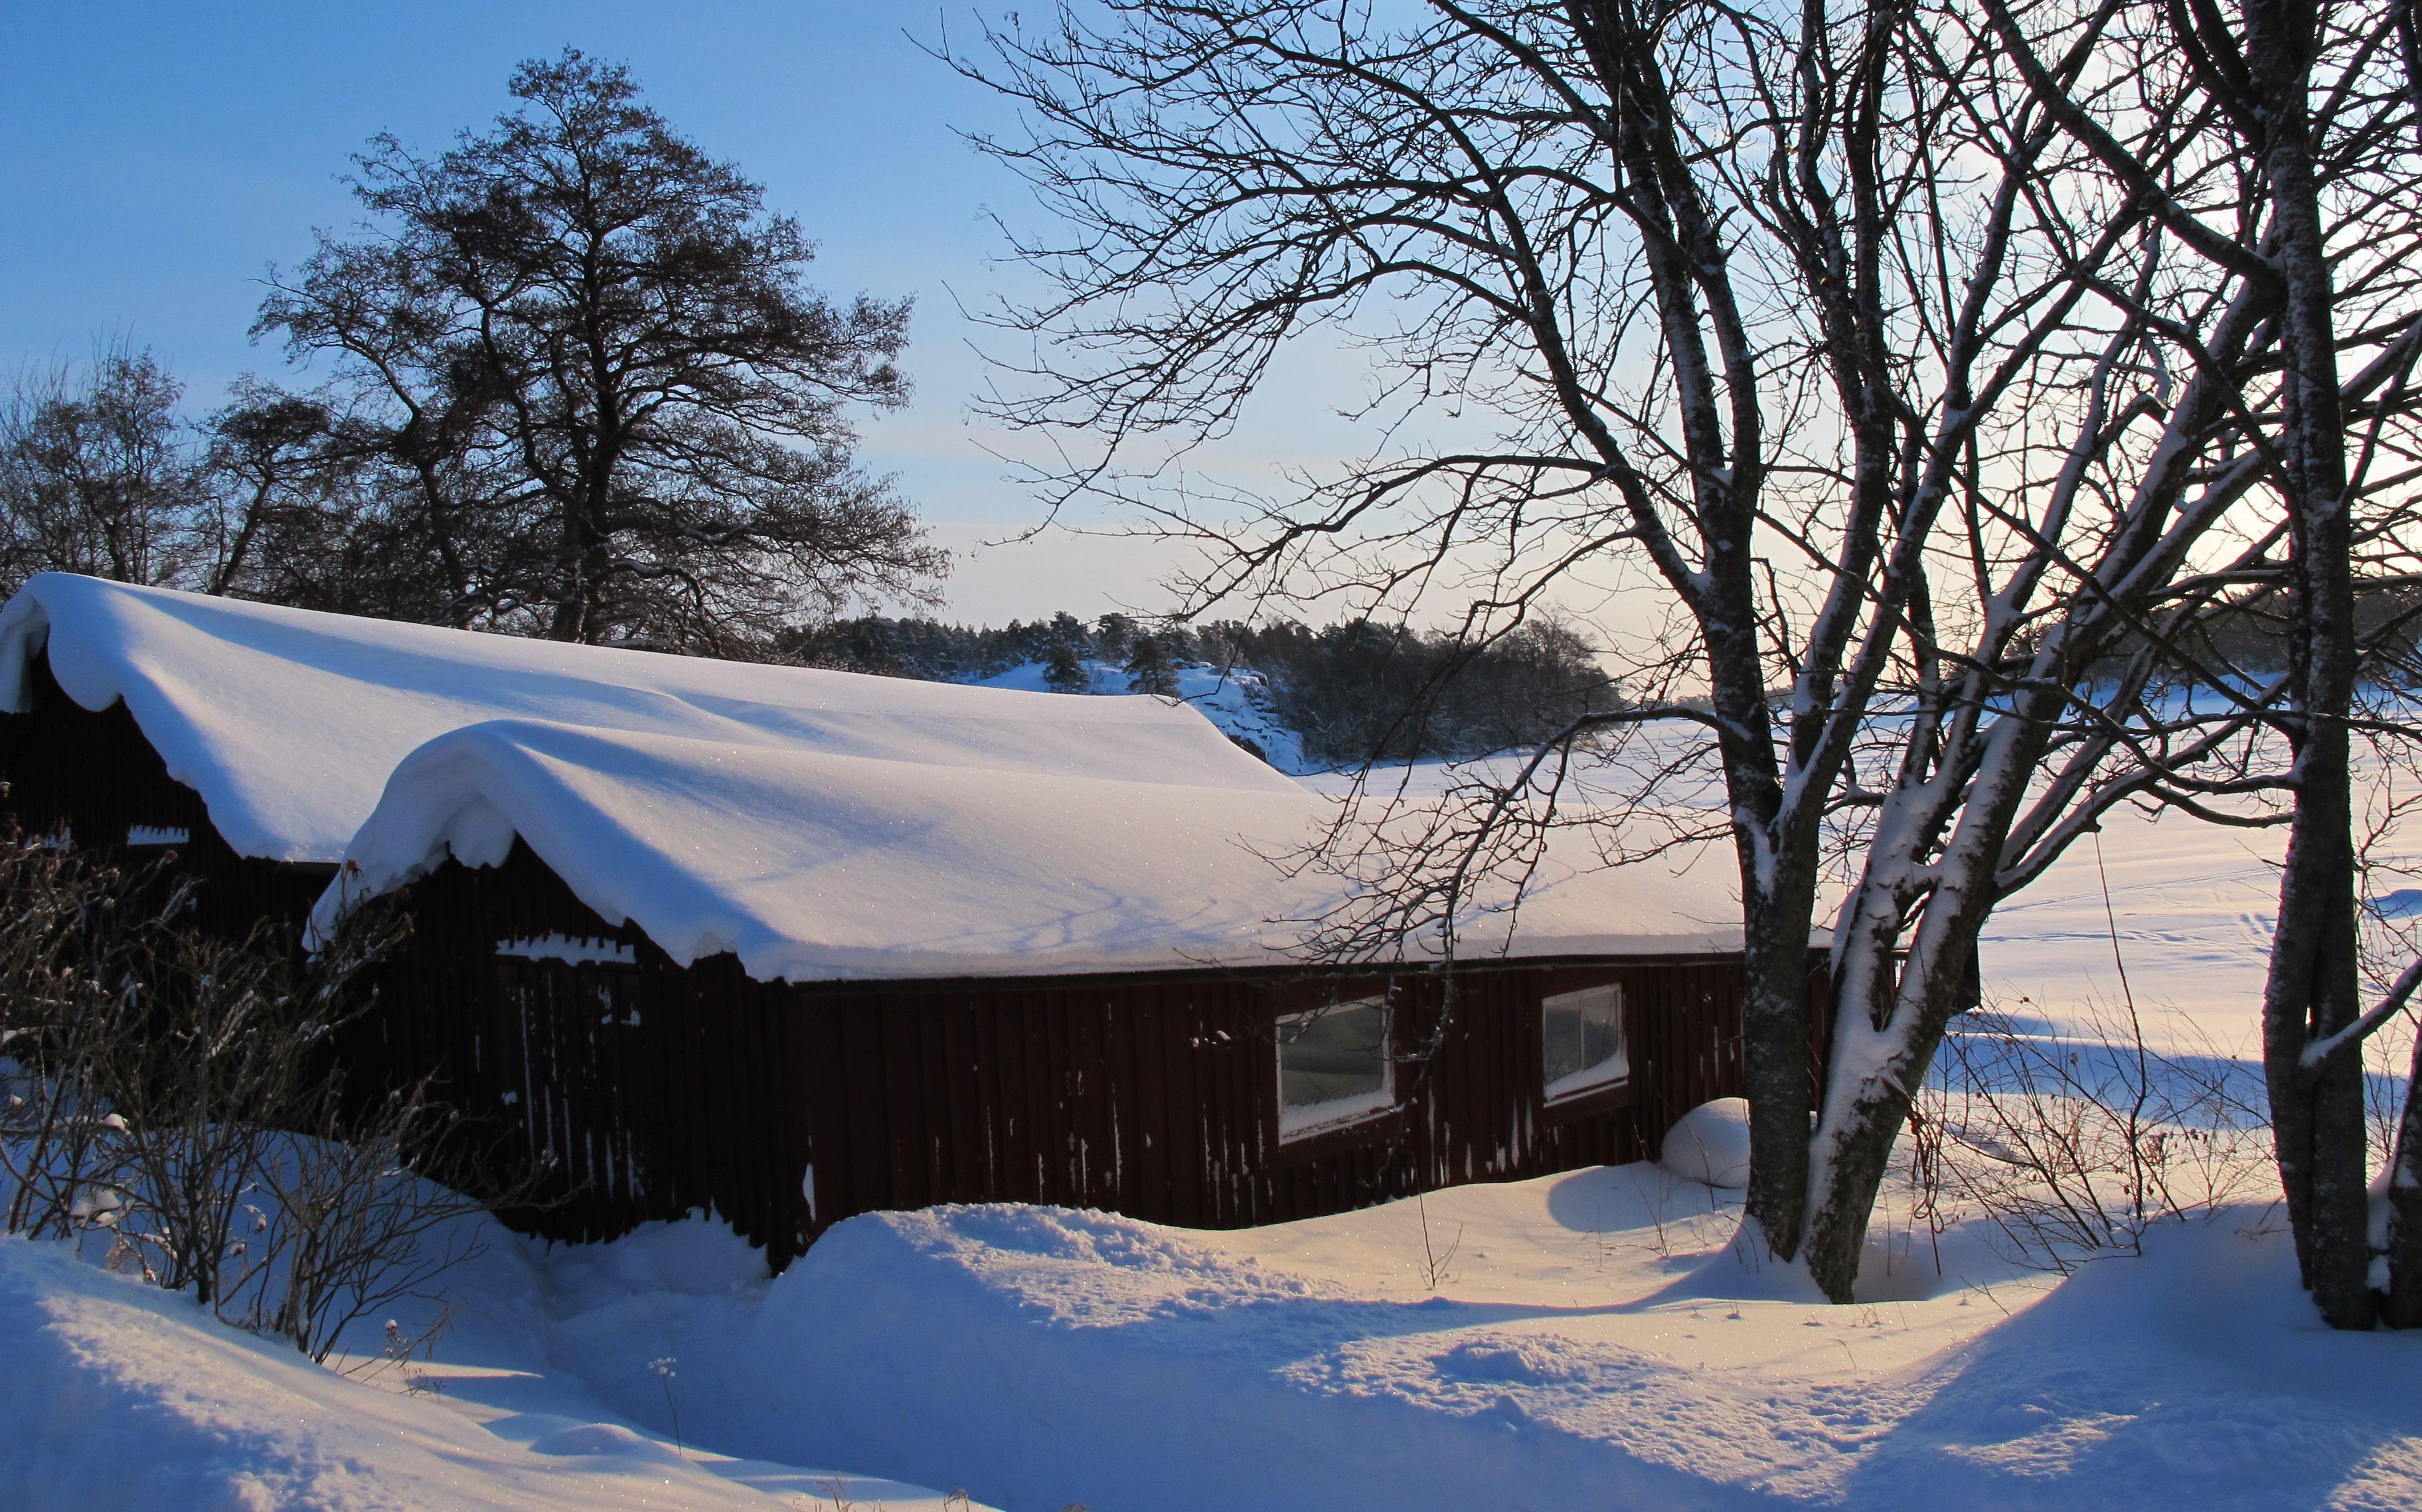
point(1332, 1063)
point(1581, 1039)
point(1333, 1053)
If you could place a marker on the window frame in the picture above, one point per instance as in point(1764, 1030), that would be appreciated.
point(1589, 1080)
point(1306, 1120)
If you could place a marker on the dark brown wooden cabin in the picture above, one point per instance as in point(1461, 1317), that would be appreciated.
point(656, 1090)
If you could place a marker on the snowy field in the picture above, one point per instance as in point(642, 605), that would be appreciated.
point(1238, 704)
point(1583, 1341)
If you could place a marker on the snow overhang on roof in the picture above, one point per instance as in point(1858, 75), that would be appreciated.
point(815, 866)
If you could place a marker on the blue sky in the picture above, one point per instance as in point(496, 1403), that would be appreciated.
point(160, 156)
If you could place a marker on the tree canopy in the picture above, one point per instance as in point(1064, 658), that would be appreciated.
point(603, 403)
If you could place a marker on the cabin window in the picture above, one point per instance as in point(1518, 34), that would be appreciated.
point(1333, 1065)
point(1581, 1034)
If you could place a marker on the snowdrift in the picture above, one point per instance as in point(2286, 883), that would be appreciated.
point(1057, 1355)
point(118, 1395)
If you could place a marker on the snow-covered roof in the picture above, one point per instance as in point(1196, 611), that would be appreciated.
point(289, 722)
point(815, 865)
point(822, 825)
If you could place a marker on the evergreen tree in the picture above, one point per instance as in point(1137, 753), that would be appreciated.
point(1150, 668)
point(1063, 672)
point(1067, 627)
point(1114, 634)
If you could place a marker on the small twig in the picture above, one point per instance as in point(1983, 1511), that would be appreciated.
point(1435, 1265)
point(664, 1366)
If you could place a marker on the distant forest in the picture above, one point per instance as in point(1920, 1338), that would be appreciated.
point(1355, 691)
point(2249, 632)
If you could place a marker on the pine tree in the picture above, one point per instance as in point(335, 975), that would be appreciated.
point(1063, 672)
point(1151, 668)
point(1114, 634)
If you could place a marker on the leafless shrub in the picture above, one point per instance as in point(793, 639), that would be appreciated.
point(834, 1497)
point(2071, 1145)
point(181, 1096)
point(664, 1367)
point(66, 993)
point(395, 1355)
point(369, 1208)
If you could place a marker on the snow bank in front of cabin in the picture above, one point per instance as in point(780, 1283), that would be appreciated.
point(115, 1394)
point(287, 721)
point(1589, 1340)
point(1709, 1143)
point(811, 865)
point(1582, 1340)
point(1083, 1356)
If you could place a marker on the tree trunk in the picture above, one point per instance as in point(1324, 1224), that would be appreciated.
point(1889, 1017)
point(1863, 1117)
point(2318, 1120)
point(1775, 1046)
point(2402, 1307)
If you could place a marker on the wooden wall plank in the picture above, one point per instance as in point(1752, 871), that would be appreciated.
point(904, 1083)
point(969, 1127)
point(1008, 1057)
point(1180, 1129)
point(983, 1048)
point(868, 1084)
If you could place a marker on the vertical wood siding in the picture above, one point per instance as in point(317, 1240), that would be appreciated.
point(656, 1090)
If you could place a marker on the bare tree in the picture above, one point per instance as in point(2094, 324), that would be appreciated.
point(1925, 427)
point(307, 507)
point(585, 351)
point(96, 472)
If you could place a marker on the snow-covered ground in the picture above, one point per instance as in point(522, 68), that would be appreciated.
point(2193, 904)
point(1237, 703)
point(1584, 1341)
point(1588, 1346)
point(114, 1394)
